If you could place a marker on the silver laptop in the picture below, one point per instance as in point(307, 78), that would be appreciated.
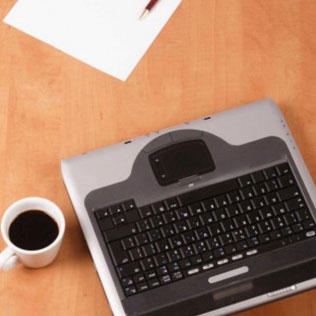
point(206, 218)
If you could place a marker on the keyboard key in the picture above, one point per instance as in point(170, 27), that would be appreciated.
point(226, 239)
point(200, 247)
point(146, 211)
point(222, 200)
point(154, 235)
point(283, 169)
point(240, 221)
point(276, 234)
point(253, 241)
point(278, 209)
point(207, 256)
point(128, 269)
point(234, 197)
point(247, 193)
point(260, 188)
point(185, 263)
point(214, 229)
point(220, 214)
point(247, 206)
point(245, 181)
point(181, 227)
point(167, 230)
point(176, 241)
point(147, 264)
point(136, 254)
point(120, 232)
point(119, 220)
point(187, 251)
point(132, 215)
point(308, 224)
point(192, 271)
point(182, 213)
point(149, 250)
point(128, 243)
point(213, 242)
point(143, 225)
point(130, 290)
point(209, 205)
point(196, 260)
point(141, 239)
point(270, 173)
point(174, 255)
point(105, 224)
point(271, 198)
point(159, 207)
point(207, 218)
point(202, 233)
point(286, 231)
point(219, 252)
point(116, 209)
point(169, 217)
point(172, 203)
point(302, 214)
point(259, 202)
point(150, 274)
point(288, 193)
point(196, 209)
point(163, 245)
point(138, 278)
point(153, 283)
point(233, 210)
point(286, 181)
point(190, 237)
point(257, 177)
point(230, 249)
point(193, 222)
point(165, 279)
point(104, 212)
point(294, 204)
point(175, 276)
point(142, 287)
point(297, 228)
point(156, 221)
point(127, 281)
point(264, 238)
point(242, 245)
point(160, 259)
point(129, 205)
point(272, 185)
point(120, 256)
point(162, 270)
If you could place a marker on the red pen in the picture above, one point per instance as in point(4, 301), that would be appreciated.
point(149, 6)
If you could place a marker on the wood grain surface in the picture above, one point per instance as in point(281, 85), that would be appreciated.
point(213, 55)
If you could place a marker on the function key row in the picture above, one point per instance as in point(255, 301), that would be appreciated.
point(115, 209)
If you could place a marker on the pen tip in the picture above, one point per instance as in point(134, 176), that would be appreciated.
point(145, 12)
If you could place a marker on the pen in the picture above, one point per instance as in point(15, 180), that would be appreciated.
point(149, 6)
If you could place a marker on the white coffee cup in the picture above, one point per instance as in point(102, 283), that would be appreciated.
point(12, 255)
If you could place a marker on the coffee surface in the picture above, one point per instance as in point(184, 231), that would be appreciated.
point(33, 230)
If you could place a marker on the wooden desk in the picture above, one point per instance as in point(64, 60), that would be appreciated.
point(213, 55)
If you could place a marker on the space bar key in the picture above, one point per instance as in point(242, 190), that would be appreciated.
point(120, 232)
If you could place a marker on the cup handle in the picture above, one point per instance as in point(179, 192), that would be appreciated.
point(8, 259)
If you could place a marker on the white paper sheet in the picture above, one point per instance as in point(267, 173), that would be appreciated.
point(105, 34)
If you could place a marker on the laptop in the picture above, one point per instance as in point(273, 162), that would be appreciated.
point(210, 217)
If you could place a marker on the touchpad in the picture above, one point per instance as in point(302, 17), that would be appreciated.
point(181, 160)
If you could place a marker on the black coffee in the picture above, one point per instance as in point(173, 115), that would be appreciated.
point(33, 230)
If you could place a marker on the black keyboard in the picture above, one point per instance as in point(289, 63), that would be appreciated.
point(210, 227)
